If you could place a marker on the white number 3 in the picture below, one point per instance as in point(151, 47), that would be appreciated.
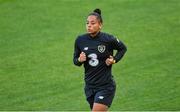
point(93, 61)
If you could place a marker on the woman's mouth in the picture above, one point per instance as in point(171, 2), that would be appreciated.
point(89, 30)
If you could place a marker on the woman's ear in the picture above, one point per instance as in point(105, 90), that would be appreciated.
point(100, 26)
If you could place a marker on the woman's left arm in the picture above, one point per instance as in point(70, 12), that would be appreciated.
point(120, 47)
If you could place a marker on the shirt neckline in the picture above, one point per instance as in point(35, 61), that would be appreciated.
point(97, 36)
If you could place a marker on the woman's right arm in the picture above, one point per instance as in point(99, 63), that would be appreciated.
point(77, 52)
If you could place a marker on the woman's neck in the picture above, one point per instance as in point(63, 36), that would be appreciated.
point(94, 34)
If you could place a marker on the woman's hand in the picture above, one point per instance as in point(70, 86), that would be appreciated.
point(110, 60)
point(82, 57)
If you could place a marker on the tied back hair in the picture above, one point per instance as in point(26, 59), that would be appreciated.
point(97, 13)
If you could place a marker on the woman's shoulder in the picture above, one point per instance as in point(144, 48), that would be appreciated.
point(107, 35)
point(81, 37)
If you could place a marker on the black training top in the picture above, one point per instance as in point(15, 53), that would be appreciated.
point(97, 50)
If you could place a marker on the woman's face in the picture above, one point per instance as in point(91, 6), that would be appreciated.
point(93, 25)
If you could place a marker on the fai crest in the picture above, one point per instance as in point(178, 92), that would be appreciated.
point(101, 48)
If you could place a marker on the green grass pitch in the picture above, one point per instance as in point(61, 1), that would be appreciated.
point(36, 50)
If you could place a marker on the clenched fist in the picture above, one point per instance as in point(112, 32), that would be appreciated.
point(82, 57)
point(110, 61)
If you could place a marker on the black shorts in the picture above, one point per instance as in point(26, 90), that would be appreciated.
point(102, 95)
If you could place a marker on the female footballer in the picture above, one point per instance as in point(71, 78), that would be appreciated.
point(94, 50)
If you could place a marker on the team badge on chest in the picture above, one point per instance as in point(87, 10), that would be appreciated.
point(101, 48)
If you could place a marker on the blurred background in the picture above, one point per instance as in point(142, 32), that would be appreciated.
point(36, 50)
